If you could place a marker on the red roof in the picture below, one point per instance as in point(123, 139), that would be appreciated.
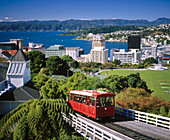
point(166, 58)
point(13, 52)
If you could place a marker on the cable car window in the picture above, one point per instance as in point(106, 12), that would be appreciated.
point(80, 99)
point(71, 96)
point(101, 102)
point(92, 101)
point(110, 101)
point(84, 100)
point(75, 97)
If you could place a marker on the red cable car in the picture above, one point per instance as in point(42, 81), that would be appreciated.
point(95, 104)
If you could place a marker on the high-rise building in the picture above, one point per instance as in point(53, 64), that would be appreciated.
point(99, 54)
point(134, 42)
point(98, 41)
point(154, 51)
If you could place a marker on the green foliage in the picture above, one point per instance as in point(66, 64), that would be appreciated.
point(90, 83)
point(57, 66)
point(163, 111)
point(72, 83)
point(51, 89)
point(70, 61)
point(40, 80)
point(115, 83)
point(169, 113)
point(150, 60)
point(139, 99)
point(116, 62)
point(108, 65)
point(105, 29)
point(36, 119)
point(37, 60)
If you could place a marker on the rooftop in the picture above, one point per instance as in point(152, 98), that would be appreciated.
point(89, 92)
point(25, 92)
point(20, 56)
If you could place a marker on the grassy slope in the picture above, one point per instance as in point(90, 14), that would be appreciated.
point(152, 78)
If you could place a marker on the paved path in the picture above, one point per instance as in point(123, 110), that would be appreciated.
point(96, 73)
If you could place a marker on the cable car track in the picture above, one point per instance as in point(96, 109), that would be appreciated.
point(126, 131)
point(110, 123)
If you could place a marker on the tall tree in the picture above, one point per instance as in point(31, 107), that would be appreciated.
point(72, 83)
point(37, 60)
point(51, 89)
point(40, 80)
point(70, 61)
point(57, 66)
point(36, 119)
point(116, 62)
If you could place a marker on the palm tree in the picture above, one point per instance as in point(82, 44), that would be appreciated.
point(36, 119)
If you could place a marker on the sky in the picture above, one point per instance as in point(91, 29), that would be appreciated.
point(13, 10)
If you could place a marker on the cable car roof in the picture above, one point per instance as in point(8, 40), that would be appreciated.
point(90, 92)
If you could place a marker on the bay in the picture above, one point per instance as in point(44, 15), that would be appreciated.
point(55, 38)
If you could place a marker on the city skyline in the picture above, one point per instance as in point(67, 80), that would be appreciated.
point(63, 10)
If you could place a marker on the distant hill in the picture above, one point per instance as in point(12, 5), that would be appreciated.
point(72, 24)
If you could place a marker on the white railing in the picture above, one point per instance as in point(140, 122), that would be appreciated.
point(92, 130)
point(144, 117)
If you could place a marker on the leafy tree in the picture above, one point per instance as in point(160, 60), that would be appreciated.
point(37, 60)
point(70, 61)
point(44, 71)
point(114, 83)
point(134, 81)
point(90, 83)
point(40, 80)
point(108, 65)
point(116, 62)
point(139, 99)
point(72, 83)
point(51, 89)
point(150, 60)
point(36, 119)
point(57, 66)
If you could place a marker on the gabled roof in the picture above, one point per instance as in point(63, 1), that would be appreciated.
point(3, 71)
point(6, 53)
point(25, 92)
point(20, 56)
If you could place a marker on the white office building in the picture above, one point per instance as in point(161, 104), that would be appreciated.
point(99, 54)
point(74, 52)
point(132, 57)
point(56, 50)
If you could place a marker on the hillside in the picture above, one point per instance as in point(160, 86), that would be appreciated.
point(67, 25)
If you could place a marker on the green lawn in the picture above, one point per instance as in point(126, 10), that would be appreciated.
point(158, 81)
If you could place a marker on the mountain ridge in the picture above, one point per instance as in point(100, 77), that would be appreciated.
point(75, 24)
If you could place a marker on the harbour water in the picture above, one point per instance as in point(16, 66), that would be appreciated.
point(52, 38)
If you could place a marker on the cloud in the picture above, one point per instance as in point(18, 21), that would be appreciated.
point(8, 18)
point(1, 20)
point(15, 20)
